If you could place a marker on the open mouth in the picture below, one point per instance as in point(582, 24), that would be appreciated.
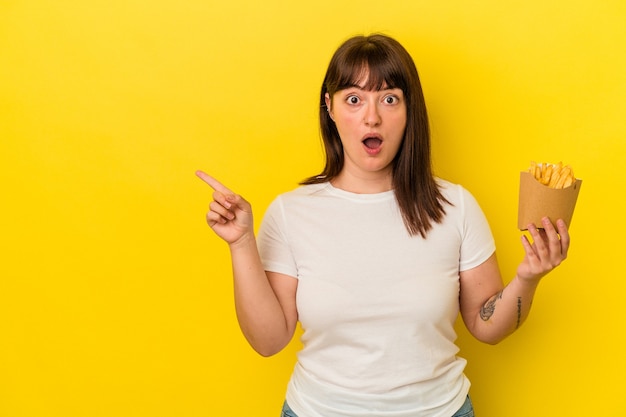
point(372, 142)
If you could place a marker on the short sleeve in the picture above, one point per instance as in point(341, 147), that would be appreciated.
point(478, 242)
point(274, 248)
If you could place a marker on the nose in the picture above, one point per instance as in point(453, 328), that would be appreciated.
point(372, 115)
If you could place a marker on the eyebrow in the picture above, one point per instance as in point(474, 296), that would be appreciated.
point(363, 88)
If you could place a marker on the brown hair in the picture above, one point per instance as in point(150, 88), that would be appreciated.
point(388, 65)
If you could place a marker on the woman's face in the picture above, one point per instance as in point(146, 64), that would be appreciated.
point(371, 126)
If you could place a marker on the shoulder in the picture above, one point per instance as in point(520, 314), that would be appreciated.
point(307, 190)
point(462, 202)
point(302, 192)
point(301, 195)
point(454, 193)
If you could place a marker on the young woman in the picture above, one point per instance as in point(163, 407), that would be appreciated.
point(375, 257)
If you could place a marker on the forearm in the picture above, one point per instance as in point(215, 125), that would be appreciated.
point(259, 312)
point(505, 311)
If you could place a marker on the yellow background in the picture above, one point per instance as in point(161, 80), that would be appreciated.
point(115, 297)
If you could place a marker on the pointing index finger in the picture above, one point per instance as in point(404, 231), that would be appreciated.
point(212, 182)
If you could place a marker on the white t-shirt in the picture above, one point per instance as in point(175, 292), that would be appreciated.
point(376, 305)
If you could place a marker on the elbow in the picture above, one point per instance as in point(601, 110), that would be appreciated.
point(490, 341)
point(266, 352)
point(267, 348)
point(490, 338)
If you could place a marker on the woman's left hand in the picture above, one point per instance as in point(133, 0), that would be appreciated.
point(547, 251)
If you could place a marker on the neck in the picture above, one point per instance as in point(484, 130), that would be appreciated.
point(371, 184)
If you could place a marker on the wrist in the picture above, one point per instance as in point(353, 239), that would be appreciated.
point(245, 241)
point(527, 282)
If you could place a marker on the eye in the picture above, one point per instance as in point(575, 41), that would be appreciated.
point(352, 99)
point(391, 99)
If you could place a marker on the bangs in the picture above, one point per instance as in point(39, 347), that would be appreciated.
point(368, 67)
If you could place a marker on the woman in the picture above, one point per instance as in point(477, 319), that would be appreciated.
point(375, 256)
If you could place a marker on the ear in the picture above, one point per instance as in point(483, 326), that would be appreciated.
point(328, 104)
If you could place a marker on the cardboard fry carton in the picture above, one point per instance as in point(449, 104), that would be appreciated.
point(537, 201)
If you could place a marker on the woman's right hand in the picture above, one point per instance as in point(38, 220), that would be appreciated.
point(229, 215)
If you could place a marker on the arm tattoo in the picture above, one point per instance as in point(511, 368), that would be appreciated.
point(519, 312)
point(486, 311)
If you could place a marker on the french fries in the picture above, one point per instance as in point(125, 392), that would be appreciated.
point(553, 175)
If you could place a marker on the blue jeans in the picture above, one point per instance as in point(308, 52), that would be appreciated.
point(467, 410)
